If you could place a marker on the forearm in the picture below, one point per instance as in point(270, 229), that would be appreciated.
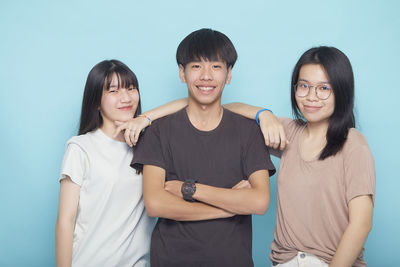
point(64, 238)
point(350, 245)
point(166, 109)
point(242, 201)
point(165, 205)
point(245, 110)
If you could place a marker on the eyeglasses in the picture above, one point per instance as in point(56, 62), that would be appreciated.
point(323, 91)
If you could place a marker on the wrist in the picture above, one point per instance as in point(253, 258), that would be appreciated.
point(261, 111)
point(188, 189)
point(147, 118)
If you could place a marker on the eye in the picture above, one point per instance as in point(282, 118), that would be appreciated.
point(217, 66)
point(324, 87)
point(302, 85)
point(113, 90)
point(195, 66)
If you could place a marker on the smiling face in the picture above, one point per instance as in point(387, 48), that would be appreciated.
point(205, 80)
point(313, 109)
point(118, 104)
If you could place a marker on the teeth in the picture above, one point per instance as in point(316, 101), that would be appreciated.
point(205, 88)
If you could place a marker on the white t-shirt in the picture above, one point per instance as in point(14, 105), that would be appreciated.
point(112, 227)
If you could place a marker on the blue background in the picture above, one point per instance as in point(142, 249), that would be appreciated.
point(48, 47)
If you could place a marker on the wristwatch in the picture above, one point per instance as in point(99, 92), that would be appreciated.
point(188, 189)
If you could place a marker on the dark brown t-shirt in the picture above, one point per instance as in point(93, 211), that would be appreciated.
point(221, 157)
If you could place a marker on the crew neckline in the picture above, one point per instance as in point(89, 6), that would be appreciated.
point(224, 112)
point(99, 132)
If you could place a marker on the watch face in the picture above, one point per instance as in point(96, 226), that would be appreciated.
point(188, 189)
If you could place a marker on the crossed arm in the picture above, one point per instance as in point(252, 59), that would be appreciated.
point(164, 199)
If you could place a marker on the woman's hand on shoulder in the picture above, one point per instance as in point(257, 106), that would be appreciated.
point(132, 129)
point(273, 131)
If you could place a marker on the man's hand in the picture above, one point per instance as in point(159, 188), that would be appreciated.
point(174, 187)
point(242, 184)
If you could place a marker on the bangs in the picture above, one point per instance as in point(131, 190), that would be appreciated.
point(125, 78)
point(200, 50)
point(207, 45)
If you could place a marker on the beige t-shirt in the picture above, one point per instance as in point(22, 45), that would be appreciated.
point(313, 196)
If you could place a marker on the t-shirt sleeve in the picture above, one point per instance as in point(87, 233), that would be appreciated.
point(75, 164)
point(148, 150)
point(359, 175)
point(256, 156)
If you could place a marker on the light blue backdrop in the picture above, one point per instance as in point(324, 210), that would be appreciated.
point(48, 47)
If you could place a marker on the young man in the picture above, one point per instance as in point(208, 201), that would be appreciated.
point(206, 169)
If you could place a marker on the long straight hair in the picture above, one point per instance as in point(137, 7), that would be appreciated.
point(340, 74)
point(98, 80)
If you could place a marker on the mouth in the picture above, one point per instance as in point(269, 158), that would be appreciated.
point(311, 109)
point(126, 108)
point(205, 89)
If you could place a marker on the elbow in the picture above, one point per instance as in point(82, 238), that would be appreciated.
point(367, 226)
point(152, 208)
point(261, 206)
point(363, 227)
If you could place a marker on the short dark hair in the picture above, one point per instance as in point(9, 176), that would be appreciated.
point(206, 44)
point(99, 79)
point(340, 74)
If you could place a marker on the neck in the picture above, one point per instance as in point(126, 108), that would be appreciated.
point(204, 117)
point(317, 130)
point(109, 128)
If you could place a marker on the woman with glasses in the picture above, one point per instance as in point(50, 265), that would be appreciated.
point(326, 178)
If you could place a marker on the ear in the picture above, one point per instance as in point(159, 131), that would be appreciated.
point(182, 73)
point(229, 75)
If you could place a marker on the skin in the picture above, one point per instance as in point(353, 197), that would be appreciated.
point(116, 104)
point(205, 82)
point(317, 113)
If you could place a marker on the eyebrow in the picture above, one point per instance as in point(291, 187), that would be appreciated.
point(304, 80)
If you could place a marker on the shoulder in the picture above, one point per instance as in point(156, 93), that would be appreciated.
point(81, 139)
point(238, 119)
point(166, 121)
point(355, 139)
point(246, 129)
point(81, 142)
point(291, 126)
point(356, 145)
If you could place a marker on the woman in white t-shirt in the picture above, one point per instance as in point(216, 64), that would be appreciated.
point(101, 217)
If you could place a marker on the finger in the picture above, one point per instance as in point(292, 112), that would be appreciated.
point(247, 184)
point(266, 137)
point(236, 186)
point(284, 140)
point(127, 138)
point(136, 136)
point(118, 129)
point(277, 139)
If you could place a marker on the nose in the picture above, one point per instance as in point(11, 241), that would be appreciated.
point(124, 96)
point(206, 73)
point(312, 94)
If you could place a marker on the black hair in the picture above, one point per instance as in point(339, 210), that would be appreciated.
point(206, 44)
point(340, 73)
point(99, 79)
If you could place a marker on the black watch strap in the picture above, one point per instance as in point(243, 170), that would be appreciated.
point(188, 189)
